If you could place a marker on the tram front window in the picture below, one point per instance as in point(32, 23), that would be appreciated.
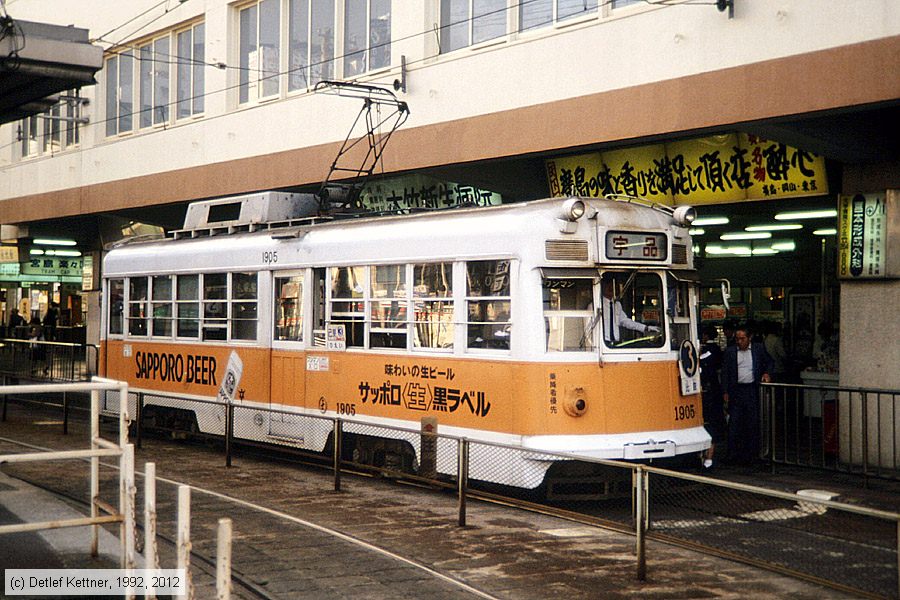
point(569, 314)
point(631, 310)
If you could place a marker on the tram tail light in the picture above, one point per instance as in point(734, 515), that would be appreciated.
point(575, 402)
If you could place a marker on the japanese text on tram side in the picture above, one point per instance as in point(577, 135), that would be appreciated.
point(419, 396)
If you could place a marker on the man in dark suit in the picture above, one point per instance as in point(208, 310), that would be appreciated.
point(744, 367)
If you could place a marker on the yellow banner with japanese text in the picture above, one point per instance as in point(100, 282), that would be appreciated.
point(710, 170)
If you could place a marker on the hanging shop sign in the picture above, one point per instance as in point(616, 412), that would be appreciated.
point(9, 254)
point(869, 225)
point(714, 169)
point(57, 266)
point(423, 192)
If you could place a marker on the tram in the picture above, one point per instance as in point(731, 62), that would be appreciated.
point(565, 325)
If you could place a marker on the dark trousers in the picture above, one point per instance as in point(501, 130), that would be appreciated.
point(743, 424)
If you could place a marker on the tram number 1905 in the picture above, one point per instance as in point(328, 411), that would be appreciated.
point(346, 409)
point(684, 412)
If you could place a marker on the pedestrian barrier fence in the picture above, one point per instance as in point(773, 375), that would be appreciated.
point(803, 534)
point(47, 361)
point(854, 430)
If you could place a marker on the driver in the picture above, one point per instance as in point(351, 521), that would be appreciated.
point(614, 316)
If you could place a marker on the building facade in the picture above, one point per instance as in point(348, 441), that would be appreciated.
point(509, 100)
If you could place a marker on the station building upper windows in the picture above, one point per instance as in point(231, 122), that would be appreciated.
point(54, 130)
point(468, 22)
point(139, 86)
point(294, 43)
point(541, 13)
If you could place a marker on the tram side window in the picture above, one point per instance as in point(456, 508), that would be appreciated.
point(116, 306)
point(137, 306)
point(569, 314)
point(318, 316)
point(187, 306)
point(215, 306)
point(433, 301)
point(347, 303)
point(678, 310)
point(244, 314)
point(488, 304)
point(161, 290)
point(289, 308)
point(387, 306)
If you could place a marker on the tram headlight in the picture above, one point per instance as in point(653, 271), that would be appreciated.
point(684, 215)
point(572, 209)
point(575, 402)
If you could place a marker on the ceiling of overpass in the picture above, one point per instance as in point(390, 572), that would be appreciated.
point(38, 61)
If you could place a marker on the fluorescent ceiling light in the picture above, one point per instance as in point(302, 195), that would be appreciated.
point(825, 232)
point(64, 252)
point(806, 214)
point(784, 246)
point(774, 227)
point(757, 235)
point(710, 221)
point(36, 251)
point(764, 251)
point(696, 231)
point(55, 242)
point(720, 250)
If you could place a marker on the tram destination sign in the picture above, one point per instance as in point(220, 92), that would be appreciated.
point(868, 242)
point(630, 245)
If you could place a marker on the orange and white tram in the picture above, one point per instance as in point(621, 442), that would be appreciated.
point(566, 325)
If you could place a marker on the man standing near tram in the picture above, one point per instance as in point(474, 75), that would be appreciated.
point(744, 367)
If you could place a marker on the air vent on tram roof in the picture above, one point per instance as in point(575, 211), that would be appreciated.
point(576, 250)
point(679, 254)
point(249, 212)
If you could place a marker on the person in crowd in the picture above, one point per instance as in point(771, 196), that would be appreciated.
point(711, 387)
point(15, 320)
point(775, 347)
point(728, 328)
point(614, 317)
point(744, 367)
point(50, 320)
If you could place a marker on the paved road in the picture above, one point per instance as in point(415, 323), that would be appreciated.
point(504, 552)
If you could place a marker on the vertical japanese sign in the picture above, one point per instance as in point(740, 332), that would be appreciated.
point(715, 169)
point(863, 237)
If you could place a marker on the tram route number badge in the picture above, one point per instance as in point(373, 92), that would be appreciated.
point(232, 378)
point(689, 368)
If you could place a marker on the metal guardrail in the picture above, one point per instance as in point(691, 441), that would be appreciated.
point(796, 534)
point(854, 430)
point(47, 361)
point(99, 447)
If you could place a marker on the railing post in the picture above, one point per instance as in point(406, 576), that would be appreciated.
point(865, 437)
point(65, 414)
point(639, 512)
point(139, 419)
point(223, 560)
point(151, 552)
point(229, 431)
point(184, 538)
point(128, 509)
point(462, 477)
point(95, 471)
point(337, 437)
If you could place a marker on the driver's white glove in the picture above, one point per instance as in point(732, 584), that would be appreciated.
point(651, 329)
